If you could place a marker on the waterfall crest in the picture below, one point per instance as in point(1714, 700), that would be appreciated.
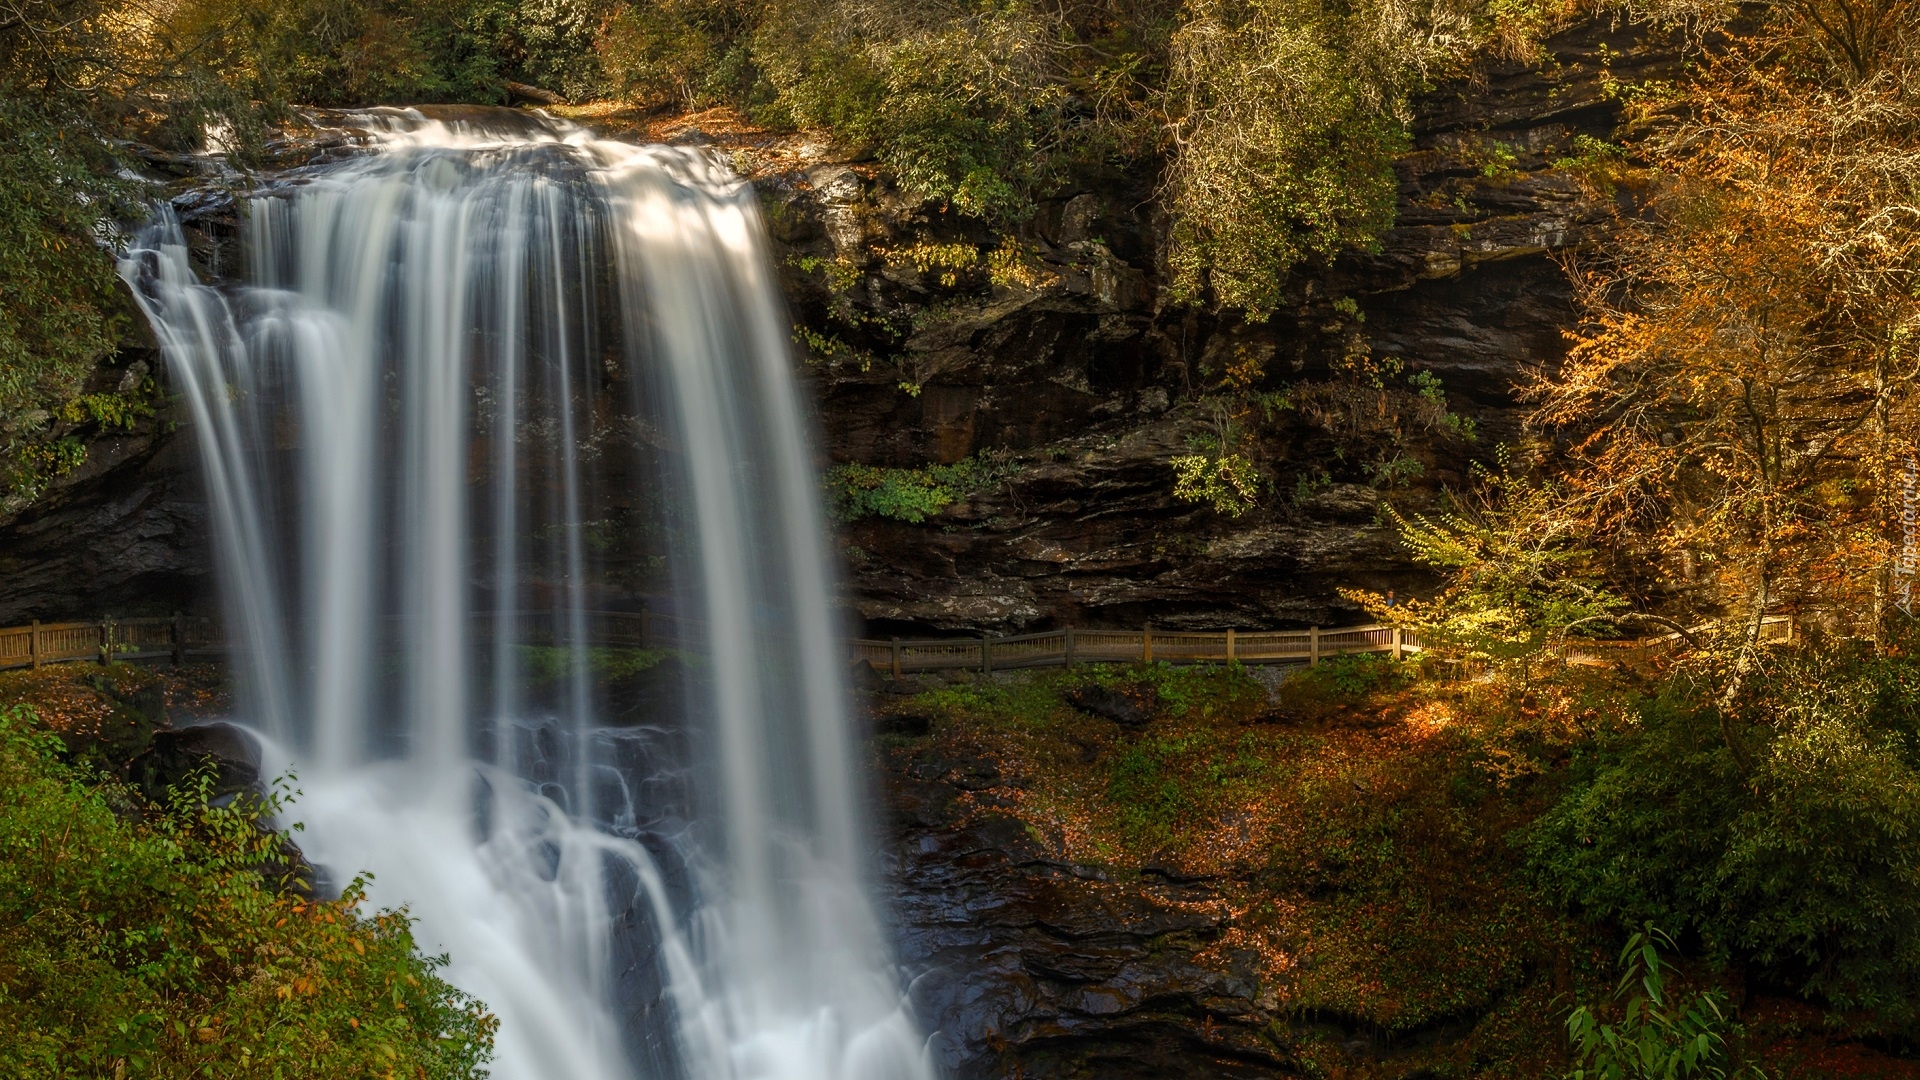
point(485, 383)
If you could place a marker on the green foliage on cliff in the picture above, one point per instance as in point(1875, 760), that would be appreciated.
point(337, 52)
point(1272, 123)
point(76, 78)
point(61, 314)
point(142, 940)
point(910, 495)
point(1285, 116)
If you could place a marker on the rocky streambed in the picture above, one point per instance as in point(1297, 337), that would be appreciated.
point(1034, 965)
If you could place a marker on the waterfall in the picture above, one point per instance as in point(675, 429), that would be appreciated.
point(484, 383)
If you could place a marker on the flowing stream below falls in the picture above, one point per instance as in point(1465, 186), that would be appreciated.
point(479, 383)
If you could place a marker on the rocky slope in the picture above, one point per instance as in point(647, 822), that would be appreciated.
point(1237, 885)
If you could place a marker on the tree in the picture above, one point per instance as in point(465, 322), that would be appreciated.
point(1520, 577)
point(1746, 367)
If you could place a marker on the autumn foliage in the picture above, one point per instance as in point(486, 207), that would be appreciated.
point(1740, 398)
point(160, 941)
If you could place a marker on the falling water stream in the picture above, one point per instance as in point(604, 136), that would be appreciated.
point(482, 382)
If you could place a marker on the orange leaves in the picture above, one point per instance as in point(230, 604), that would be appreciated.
point(1746, 364)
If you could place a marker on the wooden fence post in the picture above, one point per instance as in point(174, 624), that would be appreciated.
point(896, 658)
point(1313, 646)
point(1229, 644)
point(33, 645)
point(986, 654)
point(106, 640)
point(179, 640)
point(1069, 646)
point(1396, 643)
point(1146, 643)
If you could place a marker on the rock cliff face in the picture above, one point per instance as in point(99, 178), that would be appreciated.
point(1075, 383)
point(123, 534)
point(1049, 363)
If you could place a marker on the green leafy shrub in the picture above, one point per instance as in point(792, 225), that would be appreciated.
point(688, 53)
point(1228, 482)
point(965, 105)
point(1789, 847)
point(910, 495)
point(1354, 676)
point(1660, 1035)
point(1521, 576)
point(140, 940)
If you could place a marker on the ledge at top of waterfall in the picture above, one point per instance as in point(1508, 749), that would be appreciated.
point(485, 380)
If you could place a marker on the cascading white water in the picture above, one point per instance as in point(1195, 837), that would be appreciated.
point(467, 367)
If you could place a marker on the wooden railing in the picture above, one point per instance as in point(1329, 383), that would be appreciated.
point(176, 638)
point(1056, 648)
point(1774, 630)
point(183, 637)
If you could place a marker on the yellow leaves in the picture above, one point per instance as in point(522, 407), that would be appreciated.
point(1011, 266)
point(1247, 367)
point(359, 946)
point(946, 262)
point(1721, 394)
point(1229, 482)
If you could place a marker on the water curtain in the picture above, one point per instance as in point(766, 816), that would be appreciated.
point(482, 382)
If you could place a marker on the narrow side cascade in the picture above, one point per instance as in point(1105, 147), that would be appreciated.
point(491, 388)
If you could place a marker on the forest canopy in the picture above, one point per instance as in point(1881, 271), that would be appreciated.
point(1268, 126)
point(1273, 122)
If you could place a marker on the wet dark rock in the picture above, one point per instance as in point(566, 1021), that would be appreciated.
point(1131, 707)
point(174, 757)
point(907, 725)
point(1026, 967)
point(124, 534)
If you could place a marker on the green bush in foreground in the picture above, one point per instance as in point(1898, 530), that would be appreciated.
point(1792, 849)
point(140, 941)
point(1660, 1034)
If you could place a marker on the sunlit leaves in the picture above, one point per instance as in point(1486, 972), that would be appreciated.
point(154, 941)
